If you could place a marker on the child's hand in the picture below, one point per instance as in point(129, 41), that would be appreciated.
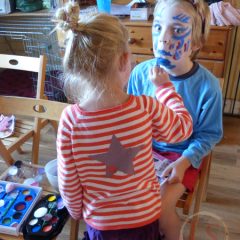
point(175, 171)
point(158, 76)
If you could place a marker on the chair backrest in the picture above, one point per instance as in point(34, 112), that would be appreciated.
point(25, 131)
point(31, 107)
point(30, 64)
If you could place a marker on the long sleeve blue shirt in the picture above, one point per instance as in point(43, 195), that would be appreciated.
point(201, 93)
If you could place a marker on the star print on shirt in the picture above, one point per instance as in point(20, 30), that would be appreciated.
point(117, 158)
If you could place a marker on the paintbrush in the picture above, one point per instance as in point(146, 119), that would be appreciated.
point(11, 199)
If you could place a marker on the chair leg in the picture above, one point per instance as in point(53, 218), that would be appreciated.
point(74, 229)
point(207, 177)
point(36, 141)
point(198, 199)
point(193, 227)
point(20, 151)
point(5, 154)
point(55, 125)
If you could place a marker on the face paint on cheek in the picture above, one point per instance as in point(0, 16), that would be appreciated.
point(155, 41)
point(179, 45)
point(171, 46)
point(155, 47)
point(187, 45)
point(177, 55)
point(181, 41)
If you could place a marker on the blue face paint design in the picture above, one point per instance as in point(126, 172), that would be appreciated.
point(171, 46)
point(164, 53)
point(165, 63)
point(177, 55)
point(181, 39)
point(187, 46)
point(182, 18)
point(179, 30)
point(177, 41)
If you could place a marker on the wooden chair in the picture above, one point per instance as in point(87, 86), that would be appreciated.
point(31, 107)
point(34, 108)
point(198, 195)
point(24, 129)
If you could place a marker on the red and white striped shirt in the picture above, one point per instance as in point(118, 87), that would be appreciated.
point(105, 165)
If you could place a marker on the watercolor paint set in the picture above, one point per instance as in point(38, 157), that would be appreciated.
point(46, 219)
point(16, 203)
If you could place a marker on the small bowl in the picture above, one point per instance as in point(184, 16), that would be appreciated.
point(51, 172)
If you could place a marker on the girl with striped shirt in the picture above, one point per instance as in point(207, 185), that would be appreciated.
point(104, 144)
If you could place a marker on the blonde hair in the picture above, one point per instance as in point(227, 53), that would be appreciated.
point(92, 46)
point(200, 14)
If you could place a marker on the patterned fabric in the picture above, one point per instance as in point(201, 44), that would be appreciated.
point(224, 14)
point(97, 179)
point(7, 125)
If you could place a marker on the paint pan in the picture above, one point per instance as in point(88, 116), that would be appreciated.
point(46, 219)
point(16, 203)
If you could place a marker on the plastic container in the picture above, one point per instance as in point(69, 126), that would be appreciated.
point(104, 6)
point(51, 172)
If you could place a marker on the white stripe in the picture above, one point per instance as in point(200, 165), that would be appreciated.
point(147, 203)
point(130, 215)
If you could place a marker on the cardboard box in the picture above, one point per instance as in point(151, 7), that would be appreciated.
point(140, 11)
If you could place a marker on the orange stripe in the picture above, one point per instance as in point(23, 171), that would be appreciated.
point(67, 149)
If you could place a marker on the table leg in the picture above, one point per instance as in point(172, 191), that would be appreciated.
point(74, 229)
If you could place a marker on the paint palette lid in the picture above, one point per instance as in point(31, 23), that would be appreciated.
point(46, 219)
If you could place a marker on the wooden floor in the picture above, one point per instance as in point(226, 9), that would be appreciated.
point(220, 214)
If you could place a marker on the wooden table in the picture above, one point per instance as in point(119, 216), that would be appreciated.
point(47, 189)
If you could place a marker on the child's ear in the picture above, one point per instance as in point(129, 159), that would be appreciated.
point(123, 61)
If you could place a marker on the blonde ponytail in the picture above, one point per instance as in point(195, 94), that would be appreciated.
point(92, 46)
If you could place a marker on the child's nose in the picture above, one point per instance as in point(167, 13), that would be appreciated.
point(165, 36)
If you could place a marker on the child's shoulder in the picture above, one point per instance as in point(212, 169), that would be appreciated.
point(206, 80)
point(204, 76)
point(70, 112)
point(204, 72)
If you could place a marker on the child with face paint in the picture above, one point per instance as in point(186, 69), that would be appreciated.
point(105, 170)
point(179, 30)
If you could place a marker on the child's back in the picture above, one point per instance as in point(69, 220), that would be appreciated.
point(105, 166)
